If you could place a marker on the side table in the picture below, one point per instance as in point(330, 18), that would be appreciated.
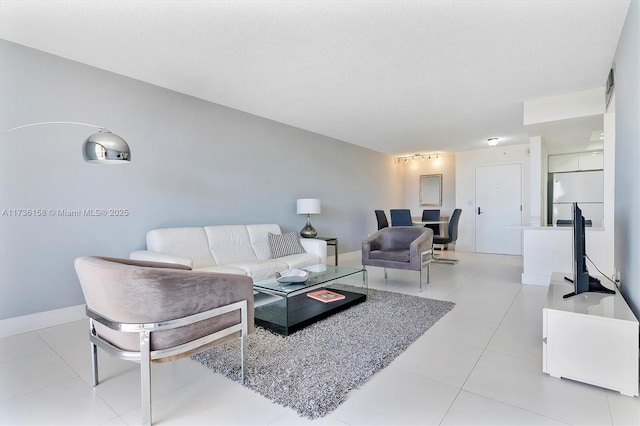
point(331, 241)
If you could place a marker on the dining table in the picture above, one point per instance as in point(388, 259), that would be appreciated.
point(419, 222)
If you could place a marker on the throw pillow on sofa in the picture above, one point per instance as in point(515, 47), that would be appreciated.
point(284, 244)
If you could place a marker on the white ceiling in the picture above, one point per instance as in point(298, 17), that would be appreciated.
point(398, 77)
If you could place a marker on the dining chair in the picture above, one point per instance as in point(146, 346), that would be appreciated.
point(381, 217)
point(401, 217)
point(432, 215)
point(451, 237)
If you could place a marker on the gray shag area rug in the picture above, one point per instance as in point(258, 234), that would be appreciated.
point(313, 370)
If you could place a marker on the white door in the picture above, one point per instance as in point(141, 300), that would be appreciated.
point(498, 205)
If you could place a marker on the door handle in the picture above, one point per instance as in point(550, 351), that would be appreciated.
point(479, 212)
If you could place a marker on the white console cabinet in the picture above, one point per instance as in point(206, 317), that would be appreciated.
point(591, 338)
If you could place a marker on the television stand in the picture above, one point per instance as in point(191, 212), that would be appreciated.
point(595, 286)
point(592, 339)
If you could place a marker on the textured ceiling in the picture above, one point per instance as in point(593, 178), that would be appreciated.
point(395, 76)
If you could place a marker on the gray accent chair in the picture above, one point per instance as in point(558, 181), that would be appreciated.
point(399, 247)
point(150, 312)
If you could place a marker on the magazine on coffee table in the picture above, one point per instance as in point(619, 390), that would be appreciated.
point(325, 295)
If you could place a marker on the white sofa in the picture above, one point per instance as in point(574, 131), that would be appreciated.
point(231, 249)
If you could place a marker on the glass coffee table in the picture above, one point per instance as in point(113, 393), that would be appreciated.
point(285, 307)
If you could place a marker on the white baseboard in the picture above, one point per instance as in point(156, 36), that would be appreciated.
point(536, 279)
point(344, 256)
point(27, 323)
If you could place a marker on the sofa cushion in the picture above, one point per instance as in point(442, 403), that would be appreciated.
point(260, 269)
point(259, 237)
point(223, 269)
point(284, 244)
point(300, 261)
point(229, 244)
point(189, 242)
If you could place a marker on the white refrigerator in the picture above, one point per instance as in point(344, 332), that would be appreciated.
point(586, 188)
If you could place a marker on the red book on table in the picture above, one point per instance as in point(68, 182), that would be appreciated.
point(325, 295)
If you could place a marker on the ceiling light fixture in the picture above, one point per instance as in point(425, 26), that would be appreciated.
point(406, 158)
point(492, 141)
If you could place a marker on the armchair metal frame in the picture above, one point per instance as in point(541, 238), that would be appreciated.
point(146, 355)
point(422, 263)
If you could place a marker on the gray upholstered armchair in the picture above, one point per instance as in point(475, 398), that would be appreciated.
point(399, 247)
point(156, 312)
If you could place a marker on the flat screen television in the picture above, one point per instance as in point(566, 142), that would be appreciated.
point(582, 281)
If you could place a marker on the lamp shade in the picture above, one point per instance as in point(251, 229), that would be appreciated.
point(106, 148)
point(308, 206)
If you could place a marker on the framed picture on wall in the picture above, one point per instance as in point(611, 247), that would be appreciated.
point(431, 190)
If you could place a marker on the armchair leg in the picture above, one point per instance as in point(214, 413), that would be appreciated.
point(428, 263)
point(365, 279)
point(243, 340)
point(94, 356)
point(145, 377)
point(243, 356)
point(94, 365)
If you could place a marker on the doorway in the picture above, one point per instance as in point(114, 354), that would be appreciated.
point(498, 205)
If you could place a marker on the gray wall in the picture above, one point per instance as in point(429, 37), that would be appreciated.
point(193, 163)
point(627, 204)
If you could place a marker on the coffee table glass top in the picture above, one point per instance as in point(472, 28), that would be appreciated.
point(318, 275)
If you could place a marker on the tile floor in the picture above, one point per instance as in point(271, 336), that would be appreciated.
point(480, 364)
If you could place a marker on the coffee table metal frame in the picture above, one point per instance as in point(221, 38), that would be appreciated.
point(285, 308)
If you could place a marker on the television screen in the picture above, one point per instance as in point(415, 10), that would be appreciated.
point(582, 281)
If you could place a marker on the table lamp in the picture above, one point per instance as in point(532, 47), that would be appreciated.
point(308, 206)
